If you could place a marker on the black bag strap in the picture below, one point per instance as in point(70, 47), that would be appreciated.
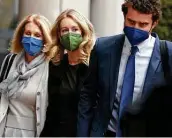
point(165, 60)
point(6, 65)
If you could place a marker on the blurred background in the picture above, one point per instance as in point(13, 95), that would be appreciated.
point(105, 15)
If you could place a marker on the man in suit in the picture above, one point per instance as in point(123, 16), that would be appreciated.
point(123, 69)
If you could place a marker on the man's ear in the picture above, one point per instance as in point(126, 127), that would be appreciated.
point(155, 23)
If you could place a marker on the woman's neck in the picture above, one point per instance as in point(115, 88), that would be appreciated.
point(73, 57)
point(29, 58)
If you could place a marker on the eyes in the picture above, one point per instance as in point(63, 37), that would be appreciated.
point(140, 24)
point(74, 29)
point(33, 34)
point(132, 22)
point(67, 30)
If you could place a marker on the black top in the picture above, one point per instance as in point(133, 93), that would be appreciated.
point(64, 85)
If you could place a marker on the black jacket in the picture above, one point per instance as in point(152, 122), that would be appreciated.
point(152, 117)
point(64, 84)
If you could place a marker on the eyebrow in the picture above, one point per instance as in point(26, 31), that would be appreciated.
point(144, 22)
point(131, 20)
point(71, 27)
point(138, 22)
point(39, 32)
point(63, 28)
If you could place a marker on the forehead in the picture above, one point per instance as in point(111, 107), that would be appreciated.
point(32, 27)
point(137, 16)
point(68, 22)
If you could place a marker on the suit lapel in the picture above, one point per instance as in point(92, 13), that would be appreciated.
point(115, 57)
point(153, 65)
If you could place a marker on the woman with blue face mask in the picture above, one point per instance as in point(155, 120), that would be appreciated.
point(24, 91)
point(74, 37)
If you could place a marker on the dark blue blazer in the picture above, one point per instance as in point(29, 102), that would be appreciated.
point(98, 93)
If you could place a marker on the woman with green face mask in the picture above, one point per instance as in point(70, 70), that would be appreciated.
point(74, 37)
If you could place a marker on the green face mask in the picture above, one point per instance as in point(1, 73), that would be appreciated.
point(71, 41)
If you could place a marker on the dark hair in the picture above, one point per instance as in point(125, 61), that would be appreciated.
point(144, 6)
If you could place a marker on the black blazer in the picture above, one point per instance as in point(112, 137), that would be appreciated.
point(64, 84)
point(152, 117)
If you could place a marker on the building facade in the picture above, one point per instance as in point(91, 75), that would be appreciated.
point(105, 15)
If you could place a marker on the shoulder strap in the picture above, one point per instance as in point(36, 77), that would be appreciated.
point(165, 59)
point(6, 65)
point(3, 66)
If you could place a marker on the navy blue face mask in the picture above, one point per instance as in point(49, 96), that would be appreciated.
point(32, 46)
point(134, 35)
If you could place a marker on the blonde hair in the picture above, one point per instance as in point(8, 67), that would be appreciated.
point(44, 25)
point(87, 34)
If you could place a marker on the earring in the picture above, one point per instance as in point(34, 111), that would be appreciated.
point(45, 49)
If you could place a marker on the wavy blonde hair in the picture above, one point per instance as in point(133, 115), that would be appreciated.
point(44, 25)
point(88, 35)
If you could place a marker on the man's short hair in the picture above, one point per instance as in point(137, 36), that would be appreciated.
point(144, 6)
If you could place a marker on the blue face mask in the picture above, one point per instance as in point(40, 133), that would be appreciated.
point(31, 45)
point(135, 36)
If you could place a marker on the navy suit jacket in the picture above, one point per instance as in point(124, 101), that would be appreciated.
point(98, 93)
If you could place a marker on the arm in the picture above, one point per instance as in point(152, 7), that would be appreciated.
point(88, 96)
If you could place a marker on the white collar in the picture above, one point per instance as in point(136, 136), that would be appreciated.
point(143, 45)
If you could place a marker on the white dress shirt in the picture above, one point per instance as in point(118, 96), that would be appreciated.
point(142, 59)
